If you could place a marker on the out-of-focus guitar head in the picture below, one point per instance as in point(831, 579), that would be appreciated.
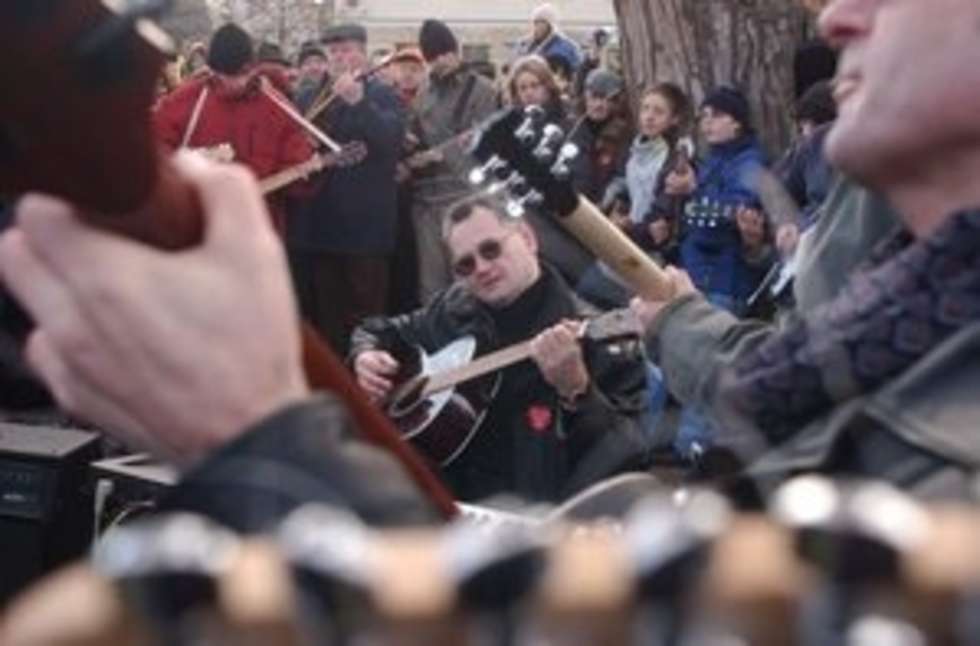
point(75, 117)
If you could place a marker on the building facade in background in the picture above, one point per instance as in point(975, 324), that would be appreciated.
point(486, 29)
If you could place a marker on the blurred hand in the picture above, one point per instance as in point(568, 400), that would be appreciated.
point(411, 141)
point(680, 285)
point(787, 239)
point(558, 355)
point(681, 182)
point(177, 352)
point(374, 370)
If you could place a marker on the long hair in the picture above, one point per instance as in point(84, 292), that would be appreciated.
point(680, 105)
point(539, 68)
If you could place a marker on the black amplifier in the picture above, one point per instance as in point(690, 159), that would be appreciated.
point(45, 503)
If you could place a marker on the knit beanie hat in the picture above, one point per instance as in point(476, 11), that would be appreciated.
point(732, 102)
point(546, 12)
point(436, 39)
point(230, 49)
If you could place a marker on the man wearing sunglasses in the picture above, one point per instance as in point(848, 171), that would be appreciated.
point(555, 424)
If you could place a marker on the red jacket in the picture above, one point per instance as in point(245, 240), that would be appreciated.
point(236, 112)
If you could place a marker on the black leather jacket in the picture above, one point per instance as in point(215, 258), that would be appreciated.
point(529, 443)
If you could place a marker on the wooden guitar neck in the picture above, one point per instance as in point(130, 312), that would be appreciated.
point(613, 247)
point(477, 368)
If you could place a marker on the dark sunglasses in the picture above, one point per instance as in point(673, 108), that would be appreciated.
point(488, 250)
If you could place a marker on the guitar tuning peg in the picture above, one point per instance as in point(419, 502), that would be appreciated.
point(569, 151)
point(561, 169)
point(510, 183)
point(480, 174)
point(525, 133)
point(550, 138)
point(518, 207)
point(515, 208)
point(534, 113)
point(520, 186)
point(514, 181)
point(552, 134)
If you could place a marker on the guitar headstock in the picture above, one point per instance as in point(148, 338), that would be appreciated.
point(529, 158)
point(79, 82)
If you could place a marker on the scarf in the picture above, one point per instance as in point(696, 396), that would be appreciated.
point(908, 298)
point(647, 158)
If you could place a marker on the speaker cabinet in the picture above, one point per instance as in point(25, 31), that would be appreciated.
point(45, 501)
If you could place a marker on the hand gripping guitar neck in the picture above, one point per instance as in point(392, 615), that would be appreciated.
point(75, 122)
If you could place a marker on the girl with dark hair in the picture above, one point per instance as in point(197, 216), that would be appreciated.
point(532, 82)
point(651, 215)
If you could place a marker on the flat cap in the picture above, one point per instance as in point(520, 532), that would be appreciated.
point(345, 31)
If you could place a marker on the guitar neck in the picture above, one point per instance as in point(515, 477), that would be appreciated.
point(477, 368)
point(279, 180)
point(609, 244)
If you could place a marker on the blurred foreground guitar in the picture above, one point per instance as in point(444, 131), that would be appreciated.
point(75, 122)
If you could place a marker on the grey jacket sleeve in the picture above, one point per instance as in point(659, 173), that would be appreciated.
point(693, 341)
point(307, 452)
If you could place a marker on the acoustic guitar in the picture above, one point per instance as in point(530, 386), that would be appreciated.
point(440, 400)
point(350, 154)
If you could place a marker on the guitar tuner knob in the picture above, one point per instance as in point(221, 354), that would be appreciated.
point(560, 170)
point(543, 154)
point(518, 207)
point(569, 151)
point(480, 174)
point(552, 132)
point(534, 112)
point(513, 181)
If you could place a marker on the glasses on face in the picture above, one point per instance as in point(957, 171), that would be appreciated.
point(488, 250)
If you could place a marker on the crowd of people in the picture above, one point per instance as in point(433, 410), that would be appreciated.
point(869, 371)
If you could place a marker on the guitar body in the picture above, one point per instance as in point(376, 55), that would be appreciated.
point(440, 425)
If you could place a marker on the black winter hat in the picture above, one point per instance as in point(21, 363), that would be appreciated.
point(230, 49)
point(436, 39)
point(732, 102)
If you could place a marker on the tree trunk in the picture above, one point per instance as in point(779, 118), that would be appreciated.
point(701, 44)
